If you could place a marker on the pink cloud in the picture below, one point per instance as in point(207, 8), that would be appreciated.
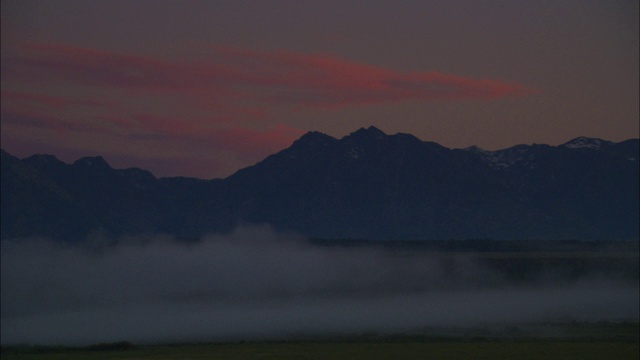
point(25, 117)
point(96, 67)
point(252, 143)
point(319, 80)
point(245, 142)
point(57, 102)
point(160, 137)
point(227, 103)
point(315, 80)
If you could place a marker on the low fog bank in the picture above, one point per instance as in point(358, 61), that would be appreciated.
point(255, 283)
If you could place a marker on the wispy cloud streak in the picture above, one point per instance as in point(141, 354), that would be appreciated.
point(232, 99)
point(316, 80)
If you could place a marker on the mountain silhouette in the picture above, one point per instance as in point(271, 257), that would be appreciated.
point(366, 185)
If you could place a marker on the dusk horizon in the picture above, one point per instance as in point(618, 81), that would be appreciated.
point(71, 160)
point(320, 179)
point(203, 89)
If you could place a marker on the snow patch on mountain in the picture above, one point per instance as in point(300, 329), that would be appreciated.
point(502, 159)
point(585, 142)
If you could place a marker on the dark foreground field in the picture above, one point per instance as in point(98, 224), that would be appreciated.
point(464, 349)
point(369, 350)
point(560, 341)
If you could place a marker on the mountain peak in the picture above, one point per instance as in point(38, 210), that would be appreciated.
point(315, 135)
point(314, 138)
point(370, 132)
point(97, 162)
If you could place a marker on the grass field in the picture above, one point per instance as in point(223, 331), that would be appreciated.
point(572, 341)
point(463, 349)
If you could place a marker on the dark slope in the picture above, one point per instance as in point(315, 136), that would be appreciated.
point(365, 185)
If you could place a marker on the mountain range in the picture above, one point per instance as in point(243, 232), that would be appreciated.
point(366, 185)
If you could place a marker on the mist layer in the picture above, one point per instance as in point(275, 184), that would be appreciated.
point(255, 283)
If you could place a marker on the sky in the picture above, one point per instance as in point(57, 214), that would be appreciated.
point(204, 88)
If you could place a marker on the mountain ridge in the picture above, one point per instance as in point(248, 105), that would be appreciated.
point(366, 185)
